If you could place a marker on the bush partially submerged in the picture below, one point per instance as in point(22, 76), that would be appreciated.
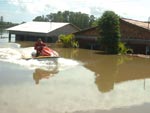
point(68, 41)
point(123, 49)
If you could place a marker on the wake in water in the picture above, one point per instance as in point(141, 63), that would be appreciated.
point(14, 54)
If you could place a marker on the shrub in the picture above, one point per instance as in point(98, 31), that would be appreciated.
point(68, 41)
point(123, 49)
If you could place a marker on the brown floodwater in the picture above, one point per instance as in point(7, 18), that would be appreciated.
point(98, 84)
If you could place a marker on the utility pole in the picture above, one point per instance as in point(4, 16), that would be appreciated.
point(1, 19)
point(1, 26)
point(148, 22)
point(147, 47)
point(50, 21)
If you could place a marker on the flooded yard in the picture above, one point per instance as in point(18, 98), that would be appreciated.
point(80, 81)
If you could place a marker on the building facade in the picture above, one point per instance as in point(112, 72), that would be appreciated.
point(135, 34)
point(88, 38)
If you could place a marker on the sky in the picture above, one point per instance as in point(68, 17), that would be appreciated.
point(18, 11)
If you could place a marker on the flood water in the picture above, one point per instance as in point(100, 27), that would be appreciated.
point(81, 81)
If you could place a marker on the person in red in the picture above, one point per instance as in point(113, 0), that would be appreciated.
point(39, 46)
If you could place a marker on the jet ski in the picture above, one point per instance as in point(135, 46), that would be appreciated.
point(46, 53)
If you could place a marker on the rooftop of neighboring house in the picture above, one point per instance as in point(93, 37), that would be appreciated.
point(38, 27)
point(131, 21)
point(142, 24)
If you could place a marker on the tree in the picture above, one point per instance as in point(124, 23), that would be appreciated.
point(92, 20)
point(109, 29)
point(79, 19)
point(41, 19)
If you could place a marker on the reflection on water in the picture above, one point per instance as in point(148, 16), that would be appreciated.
point(85, 82)
point(127, 71)
point(108, 72)
point(12, 74)
point(110, 69)
point(40, 74)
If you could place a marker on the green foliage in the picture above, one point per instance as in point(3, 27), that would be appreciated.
point(41, 18)
point(4, 25)
point(123, 49)
point(79, 19)
point(68, 41)
point(75, 44)
point(95, 22)
point(109, 29)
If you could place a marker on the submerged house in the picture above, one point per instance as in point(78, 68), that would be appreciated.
point(87, 38)
point(47, 31)
point(135, 34)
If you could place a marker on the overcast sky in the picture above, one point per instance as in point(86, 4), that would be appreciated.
point(26, 10)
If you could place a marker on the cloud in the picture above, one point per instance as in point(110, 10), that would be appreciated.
point(130, 8)
point(39, 6)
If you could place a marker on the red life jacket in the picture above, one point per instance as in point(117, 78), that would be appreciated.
point(39, 46)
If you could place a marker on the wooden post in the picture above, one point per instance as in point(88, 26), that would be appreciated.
point(148, 22)
point(45, 39)
point(9, 37)
point(147, 50)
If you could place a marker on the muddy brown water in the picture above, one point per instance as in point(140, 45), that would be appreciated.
point(99, 84)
